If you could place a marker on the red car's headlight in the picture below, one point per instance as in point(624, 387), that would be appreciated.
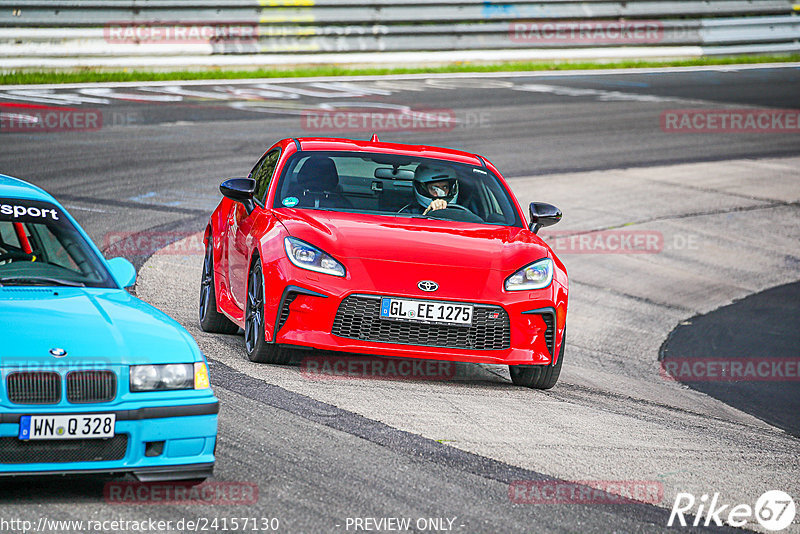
point(306, 256)
point(537, 275)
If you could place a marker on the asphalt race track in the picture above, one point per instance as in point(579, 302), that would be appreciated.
point(723, 210)
point(743, 325)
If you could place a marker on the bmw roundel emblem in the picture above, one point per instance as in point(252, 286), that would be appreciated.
point(58, 353)
point(427, 285)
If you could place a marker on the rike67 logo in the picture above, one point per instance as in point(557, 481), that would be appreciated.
point(774, 510)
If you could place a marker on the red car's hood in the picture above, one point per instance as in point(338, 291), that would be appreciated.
point(415, 240)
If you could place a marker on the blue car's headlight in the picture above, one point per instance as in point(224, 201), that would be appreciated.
point(163, 377)
point(310, 257)
point(537, 275)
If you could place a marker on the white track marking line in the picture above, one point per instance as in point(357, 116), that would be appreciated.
point(418, 76)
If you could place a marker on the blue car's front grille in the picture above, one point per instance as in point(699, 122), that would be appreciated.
point(34, 388)
point(83, 387)
point(91, 386)
point(16, 451)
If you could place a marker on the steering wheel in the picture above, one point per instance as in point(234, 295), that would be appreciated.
point(457, 206)
point(11, 256)
point(460, 213)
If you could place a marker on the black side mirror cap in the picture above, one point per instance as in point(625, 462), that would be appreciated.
point(543, 214)
point(240, 190)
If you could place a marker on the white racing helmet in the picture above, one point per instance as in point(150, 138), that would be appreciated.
point(427, 173)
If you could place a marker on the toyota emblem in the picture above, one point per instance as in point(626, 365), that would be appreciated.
point(427, 285)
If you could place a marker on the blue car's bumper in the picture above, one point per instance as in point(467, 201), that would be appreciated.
point(154, 441)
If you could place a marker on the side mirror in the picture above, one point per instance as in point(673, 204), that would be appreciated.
point(123, 271)
point(543, 214)
point(240, 190)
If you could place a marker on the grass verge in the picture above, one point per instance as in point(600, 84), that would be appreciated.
point(92, 75)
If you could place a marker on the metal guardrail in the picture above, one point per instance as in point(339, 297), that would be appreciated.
point(64, 42)
point(138, 28)
point(86, 12)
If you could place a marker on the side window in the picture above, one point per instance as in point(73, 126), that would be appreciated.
point(8, 236)
point(263, 174)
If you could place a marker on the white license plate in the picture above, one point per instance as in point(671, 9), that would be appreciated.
point(426, 311)
point(98, 425)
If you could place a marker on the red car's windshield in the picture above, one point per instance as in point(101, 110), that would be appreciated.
point(394, 185)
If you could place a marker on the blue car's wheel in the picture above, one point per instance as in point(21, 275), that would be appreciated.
point(258, 350)
point(210, 319)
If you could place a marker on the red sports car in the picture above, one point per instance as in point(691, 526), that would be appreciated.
point(385, 249)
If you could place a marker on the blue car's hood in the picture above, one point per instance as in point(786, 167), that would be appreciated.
point(92, 325)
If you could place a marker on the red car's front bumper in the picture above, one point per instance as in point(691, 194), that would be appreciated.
point(301, 309)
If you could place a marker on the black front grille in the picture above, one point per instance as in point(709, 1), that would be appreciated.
point(358, 317)
point(91, 386)
point(284, 315)
point(34, 387)
point(16, 451)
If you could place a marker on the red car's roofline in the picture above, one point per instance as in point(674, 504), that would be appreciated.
point(336, 143)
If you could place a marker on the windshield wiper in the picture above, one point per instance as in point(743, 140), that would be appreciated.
point(38, 280)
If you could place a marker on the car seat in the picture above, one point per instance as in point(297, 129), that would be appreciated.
point(317, 185)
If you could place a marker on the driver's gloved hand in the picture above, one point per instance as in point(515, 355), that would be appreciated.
point(438, 204)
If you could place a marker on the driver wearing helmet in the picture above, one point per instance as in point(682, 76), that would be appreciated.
point(435, 186)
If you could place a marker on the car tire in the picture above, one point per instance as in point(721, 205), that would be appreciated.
point(258, 350)
point(210, 319)
point(538, 376)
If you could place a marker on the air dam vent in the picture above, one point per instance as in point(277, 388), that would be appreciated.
point(16, 451)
